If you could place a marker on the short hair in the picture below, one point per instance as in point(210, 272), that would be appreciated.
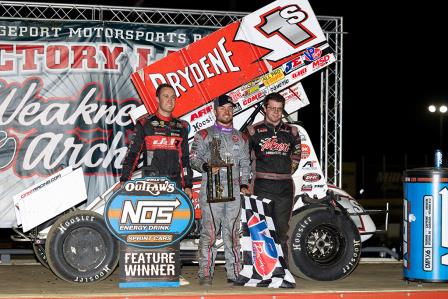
point(161, 86)
point(274, 96)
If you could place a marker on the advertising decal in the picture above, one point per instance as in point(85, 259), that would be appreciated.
point(282, 43)
point(149, 216)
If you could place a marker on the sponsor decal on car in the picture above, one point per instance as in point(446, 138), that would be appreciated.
point(321, 62)
point(201, 113)
point(321, 186)
point(273, 77)
point(305, 151)
point(300, 73)
point(292, 65)
point(237, 108)
point(253, 98)
point(279, 86)
point(311, 54)
point(199, 119)
point(306, 188)
point(310, 165)
point(311, 177)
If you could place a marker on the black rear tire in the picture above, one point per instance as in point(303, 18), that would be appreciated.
point(39, 252)
point(324, 244)
point(80, 248)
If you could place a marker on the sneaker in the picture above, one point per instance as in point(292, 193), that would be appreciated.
point(205, 281)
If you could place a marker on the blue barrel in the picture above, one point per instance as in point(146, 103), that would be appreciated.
point(425, 224)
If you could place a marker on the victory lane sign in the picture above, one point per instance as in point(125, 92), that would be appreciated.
point(149, 216)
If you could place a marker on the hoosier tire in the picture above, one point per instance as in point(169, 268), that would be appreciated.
point(80, 248)
point(324, 245)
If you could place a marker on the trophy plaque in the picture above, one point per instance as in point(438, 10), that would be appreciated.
point(215, 189)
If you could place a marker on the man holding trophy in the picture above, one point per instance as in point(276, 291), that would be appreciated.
point(221, 154)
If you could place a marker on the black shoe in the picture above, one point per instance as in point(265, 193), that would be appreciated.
point(205, 281)
point(234, 282)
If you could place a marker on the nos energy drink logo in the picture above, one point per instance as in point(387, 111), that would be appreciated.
point(149, 213)
point(264, 252)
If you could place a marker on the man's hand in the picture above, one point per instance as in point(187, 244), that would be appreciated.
point(245, 191)
point(188, 192)
point(118, 186)
point(206, 167)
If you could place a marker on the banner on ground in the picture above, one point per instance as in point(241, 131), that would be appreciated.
point(149, 216)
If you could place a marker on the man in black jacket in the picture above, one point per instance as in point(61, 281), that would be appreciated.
point(163, 140)
point(275, 149)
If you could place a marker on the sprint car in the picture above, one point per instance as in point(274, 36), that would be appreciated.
point(326, 229)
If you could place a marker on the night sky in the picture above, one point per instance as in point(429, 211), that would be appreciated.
point(394, 66)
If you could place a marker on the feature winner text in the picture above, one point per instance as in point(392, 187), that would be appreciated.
point(150, 264)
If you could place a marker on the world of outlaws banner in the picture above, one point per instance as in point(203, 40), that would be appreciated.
point(65, 97)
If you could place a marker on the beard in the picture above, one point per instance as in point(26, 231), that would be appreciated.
point(225, 121)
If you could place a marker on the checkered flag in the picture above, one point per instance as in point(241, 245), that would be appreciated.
point(263, 261)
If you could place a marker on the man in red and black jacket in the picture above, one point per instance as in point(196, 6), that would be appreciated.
point(163, 140)
point(275, 149)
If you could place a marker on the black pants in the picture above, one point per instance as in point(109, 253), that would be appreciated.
point(281, 192)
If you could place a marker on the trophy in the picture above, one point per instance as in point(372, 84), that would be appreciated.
point(214, 180)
